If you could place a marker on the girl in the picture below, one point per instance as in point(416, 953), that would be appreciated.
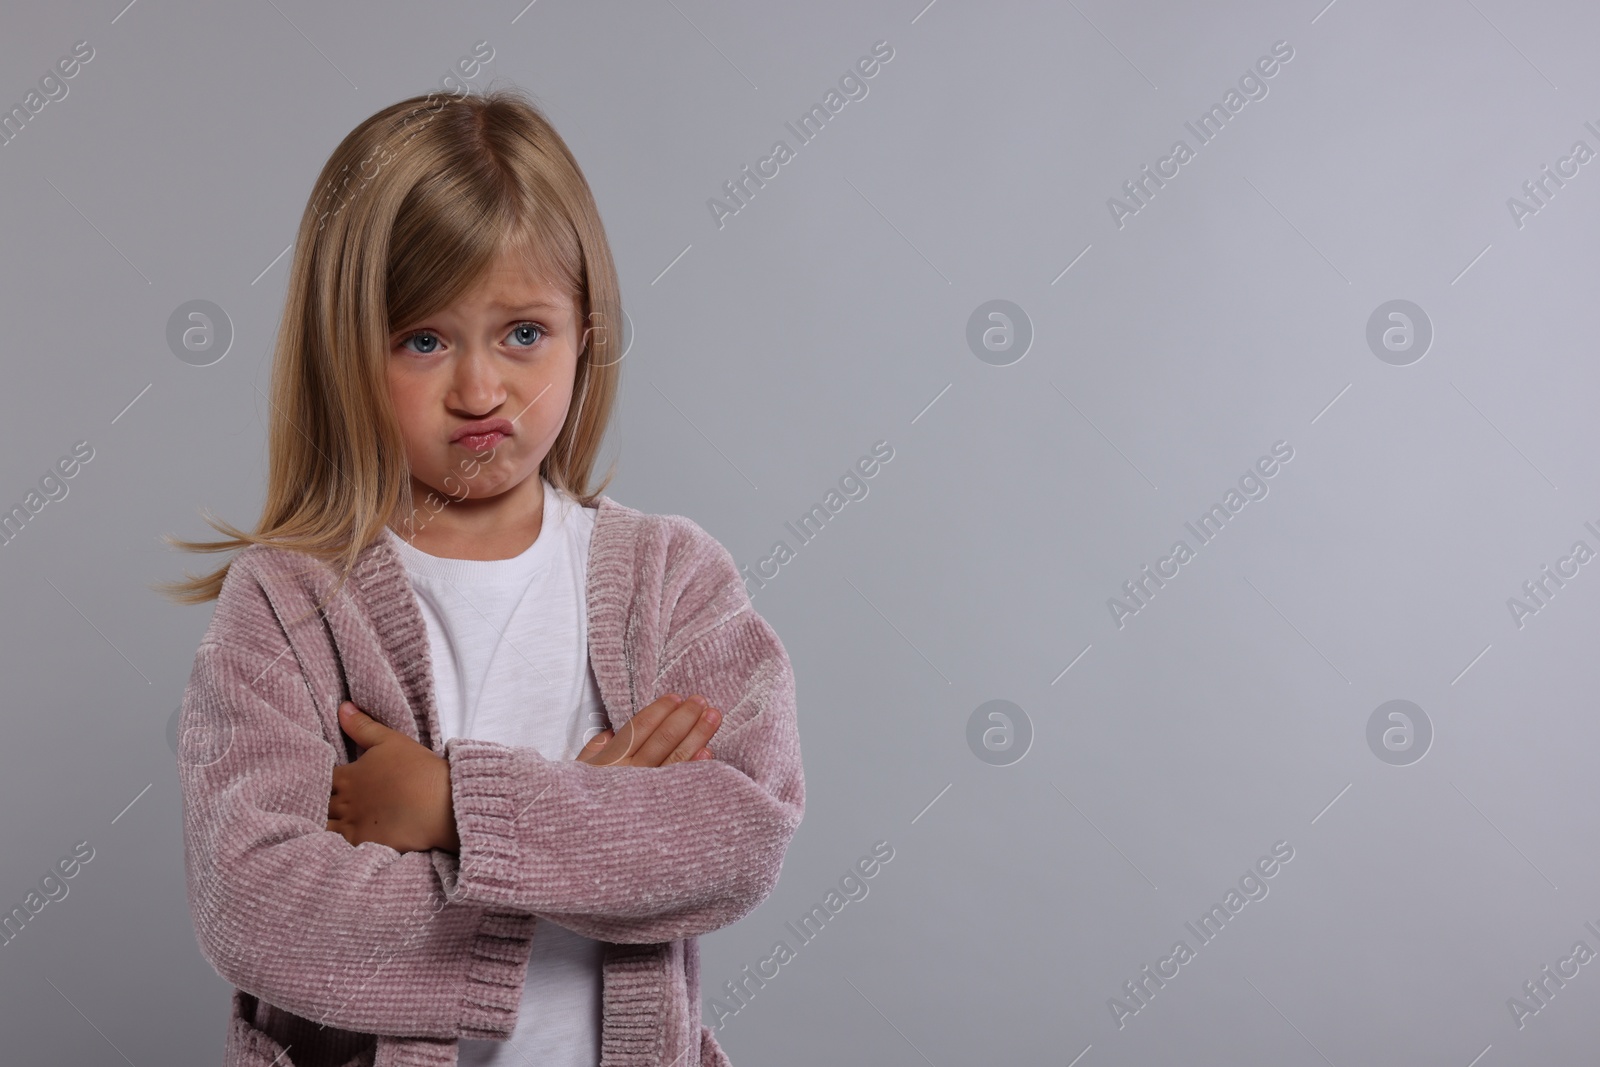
point(401, 847)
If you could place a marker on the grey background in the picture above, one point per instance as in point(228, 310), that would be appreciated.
point(831, 313)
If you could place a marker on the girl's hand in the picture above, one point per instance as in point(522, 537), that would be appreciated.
point(670, 730)
point(396, 793)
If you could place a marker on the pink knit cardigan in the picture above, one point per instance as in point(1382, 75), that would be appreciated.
point(348, 955)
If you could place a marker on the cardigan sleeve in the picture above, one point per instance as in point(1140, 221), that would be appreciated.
point(356, 937)
point(646, 854)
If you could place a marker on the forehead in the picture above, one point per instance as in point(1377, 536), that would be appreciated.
point(515, 282)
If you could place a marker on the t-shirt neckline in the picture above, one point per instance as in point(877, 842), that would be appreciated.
point(526, 564)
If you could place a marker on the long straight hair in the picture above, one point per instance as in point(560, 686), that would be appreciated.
point(409, 212)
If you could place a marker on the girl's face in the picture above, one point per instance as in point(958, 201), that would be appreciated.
point(498, 366)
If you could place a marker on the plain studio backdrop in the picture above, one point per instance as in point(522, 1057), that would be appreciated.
point(1073, 365)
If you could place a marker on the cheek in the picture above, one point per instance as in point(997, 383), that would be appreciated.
point(554, 388)
point(410, 411)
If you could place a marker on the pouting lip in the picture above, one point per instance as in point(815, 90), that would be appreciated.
point(502, 426)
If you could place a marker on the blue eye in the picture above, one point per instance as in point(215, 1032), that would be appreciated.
point(521, 330)
point(421, 334)
point(523, 335)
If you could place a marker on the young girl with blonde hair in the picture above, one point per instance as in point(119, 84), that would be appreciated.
point(449, 787)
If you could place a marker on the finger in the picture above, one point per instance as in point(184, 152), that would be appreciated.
point(624, 747)
point(672, 732)
point(698, 735)
point(645, 721)
point(362, 728)
point(649, 750)
point(627, 744)
point(705, 753)
point(594, 745)
point(614, 751)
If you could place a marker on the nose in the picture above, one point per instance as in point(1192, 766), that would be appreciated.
point(476, 386)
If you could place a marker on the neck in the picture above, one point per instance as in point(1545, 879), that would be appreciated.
point(496, 527)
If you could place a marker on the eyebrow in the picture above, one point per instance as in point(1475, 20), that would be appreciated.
point(539, 305)
point(515, 308)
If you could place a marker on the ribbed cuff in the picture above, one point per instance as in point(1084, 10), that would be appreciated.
point(486, 783)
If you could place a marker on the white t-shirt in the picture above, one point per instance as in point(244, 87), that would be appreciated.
point(509, 643)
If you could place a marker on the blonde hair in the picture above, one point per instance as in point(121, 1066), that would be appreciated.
point(408, 213)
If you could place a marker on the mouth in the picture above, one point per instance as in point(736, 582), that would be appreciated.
point(482, 435)
point(480, 442)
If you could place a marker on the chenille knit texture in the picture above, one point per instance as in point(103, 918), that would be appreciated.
point(346, 955)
